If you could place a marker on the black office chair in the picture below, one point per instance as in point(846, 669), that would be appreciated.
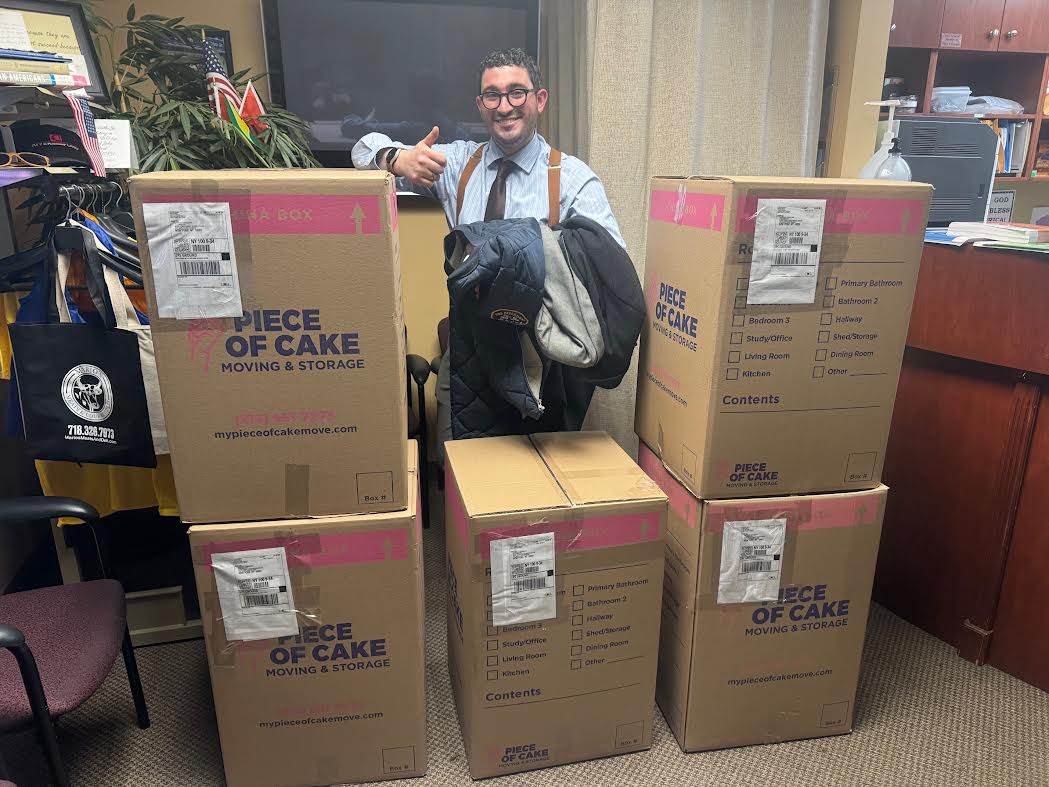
point(63, 639)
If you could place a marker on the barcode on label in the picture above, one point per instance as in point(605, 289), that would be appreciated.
point(534, 583)
point(533, 569)
point(790, 258)
point(260, 599)
point(199, 268)
point(754, 566)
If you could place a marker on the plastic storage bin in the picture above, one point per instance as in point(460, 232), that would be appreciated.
point(950, 99)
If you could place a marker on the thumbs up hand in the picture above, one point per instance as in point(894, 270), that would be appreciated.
point(422, 165)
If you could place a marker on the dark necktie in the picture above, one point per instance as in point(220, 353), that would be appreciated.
point(497, 196)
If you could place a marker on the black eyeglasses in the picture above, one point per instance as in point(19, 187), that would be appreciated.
point(491, 99)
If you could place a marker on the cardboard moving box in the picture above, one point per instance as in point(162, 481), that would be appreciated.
point(732, 672)
point(777, 315)
point(555, 570)
point(275, 307)
point(314, 635)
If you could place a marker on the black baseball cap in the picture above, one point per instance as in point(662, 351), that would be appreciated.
point(61, 145)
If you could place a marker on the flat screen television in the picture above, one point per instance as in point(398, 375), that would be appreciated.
point(350, 67)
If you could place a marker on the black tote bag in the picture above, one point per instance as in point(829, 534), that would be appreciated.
point(80, 385)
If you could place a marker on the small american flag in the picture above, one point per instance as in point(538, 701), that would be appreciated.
point(85, 124)
point(218, 83)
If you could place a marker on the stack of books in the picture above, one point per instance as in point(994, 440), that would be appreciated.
point(1015, 136)
point(1023, 237)
point(22, 67)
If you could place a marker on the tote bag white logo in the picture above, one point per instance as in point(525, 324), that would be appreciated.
point(87, 392)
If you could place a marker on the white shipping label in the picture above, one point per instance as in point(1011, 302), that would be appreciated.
point(194, 263)
point(523, 583)
point(751, 559)
point(788, 234)
point(255, 597)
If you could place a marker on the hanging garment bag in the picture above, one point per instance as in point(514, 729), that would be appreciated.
point(80, 385)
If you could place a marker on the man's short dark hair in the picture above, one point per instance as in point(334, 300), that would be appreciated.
point(511, 57)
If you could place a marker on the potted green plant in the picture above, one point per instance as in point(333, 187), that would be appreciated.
point(159, 85)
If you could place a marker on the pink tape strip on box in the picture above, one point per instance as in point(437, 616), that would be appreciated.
point(292, 214)
point(850, 510)
point(324, 549)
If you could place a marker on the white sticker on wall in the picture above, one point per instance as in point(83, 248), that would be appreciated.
point(193, 261)
point(788, 234)
point(255, 597)
point(751, 559)
point(523, 583)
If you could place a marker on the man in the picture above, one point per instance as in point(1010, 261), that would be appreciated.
point(512, 177)
point(509, 177)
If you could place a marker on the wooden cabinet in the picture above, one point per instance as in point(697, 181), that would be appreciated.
point(972, 24)
point(1025, 26)
point(916, 23)
point(995, 25)
point(966, 530)
point(1020, 646)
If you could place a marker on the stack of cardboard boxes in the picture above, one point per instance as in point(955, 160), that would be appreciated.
point(275, 310)
point(777, 314)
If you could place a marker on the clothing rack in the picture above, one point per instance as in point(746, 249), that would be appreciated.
point(84, 194)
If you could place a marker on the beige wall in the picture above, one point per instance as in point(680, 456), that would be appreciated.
point(857, 43)
point(422, 230)
point(1028, 196)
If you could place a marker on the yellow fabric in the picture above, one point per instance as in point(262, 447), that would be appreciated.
point(109, 488)
point(106, 487)
point(8, 310)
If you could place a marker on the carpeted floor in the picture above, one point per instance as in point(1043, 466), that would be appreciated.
point(924, 717)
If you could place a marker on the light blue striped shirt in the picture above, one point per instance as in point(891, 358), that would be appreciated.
point(527, 193)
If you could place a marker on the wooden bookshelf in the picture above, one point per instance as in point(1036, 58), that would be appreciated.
point(996, 47)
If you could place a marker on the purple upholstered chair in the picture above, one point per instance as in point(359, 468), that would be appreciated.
point(62, 640)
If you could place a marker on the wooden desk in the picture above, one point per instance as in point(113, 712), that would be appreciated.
point(965, 546)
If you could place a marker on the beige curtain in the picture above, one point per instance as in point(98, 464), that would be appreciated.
point(680, 87)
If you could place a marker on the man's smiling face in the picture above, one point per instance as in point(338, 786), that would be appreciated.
point(511, 127)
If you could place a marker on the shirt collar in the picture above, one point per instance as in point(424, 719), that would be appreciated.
point(525, 158)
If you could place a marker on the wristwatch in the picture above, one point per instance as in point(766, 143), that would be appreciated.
point(391, 157)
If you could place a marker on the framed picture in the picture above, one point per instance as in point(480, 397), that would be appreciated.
point(218, 40)
point(55, 27)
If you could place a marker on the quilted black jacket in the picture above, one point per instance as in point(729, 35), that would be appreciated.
point(496, 271)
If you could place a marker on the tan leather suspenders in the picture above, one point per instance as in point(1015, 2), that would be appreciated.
point(553, 182)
